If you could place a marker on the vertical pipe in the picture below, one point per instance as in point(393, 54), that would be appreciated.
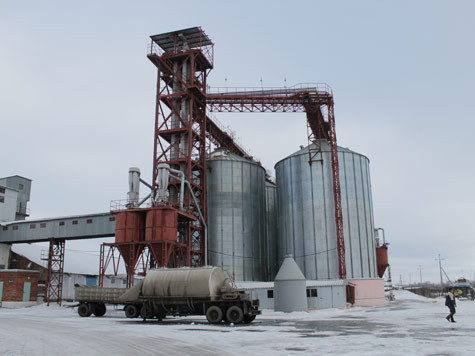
point(134, 187)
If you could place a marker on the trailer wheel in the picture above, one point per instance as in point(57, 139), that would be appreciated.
point(146, 312)
point(161, 315)
point(248, 319)
point(214, 314)
point(234, 314)
point(84, 310)
point(99, 309)
point(131, 311)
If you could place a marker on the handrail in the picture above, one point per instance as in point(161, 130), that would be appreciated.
point(322, 88)
point(124, 204)
point(208, 51)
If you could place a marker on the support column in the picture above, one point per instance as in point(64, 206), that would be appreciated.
point(54, 280)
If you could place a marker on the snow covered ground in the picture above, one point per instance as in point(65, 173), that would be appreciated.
point(412, 325)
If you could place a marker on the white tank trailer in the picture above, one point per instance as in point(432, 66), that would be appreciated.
point(174, 291)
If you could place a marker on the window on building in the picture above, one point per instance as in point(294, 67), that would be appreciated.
point(75, 222)
point(311, 292)
point(2, 190)
point(61, 223)
point(32, 226)
point(2, 266)
point(2, 199)
point(89, 221)
point(43, 225)
point(112, 280)
point(15, 227)
point(112, 218)
point(91, 281)
point(5, 228)
point(20, 186)
point(270, 293)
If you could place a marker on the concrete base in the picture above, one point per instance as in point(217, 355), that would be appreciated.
point(369, 292)
point(18, 305)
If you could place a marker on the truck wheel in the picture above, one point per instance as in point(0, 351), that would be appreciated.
point(248, 319)
point(146, 312)
point(160, 315)
point(99, 309)
point(131, 311)
point(84, 310)
point(234, 314)
point(214, 314)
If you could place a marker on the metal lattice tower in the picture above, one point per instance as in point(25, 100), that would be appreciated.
point(54, 279)
point(183, 59)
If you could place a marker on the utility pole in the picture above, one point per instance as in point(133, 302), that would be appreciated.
point(440, 268)
point(420, 272)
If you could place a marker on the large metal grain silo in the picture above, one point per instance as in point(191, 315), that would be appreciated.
point(236, 216)
point(271, 231)
point(307, 216)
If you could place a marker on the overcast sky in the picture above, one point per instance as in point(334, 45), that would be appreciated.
point(77, 104)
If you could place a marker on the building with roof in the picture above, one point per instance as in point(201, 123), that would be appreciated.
point(18, 287)
point(14, 197)
point(22, 186)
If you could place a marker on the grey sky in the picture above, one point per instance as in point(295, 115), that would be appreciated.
point(77, 102)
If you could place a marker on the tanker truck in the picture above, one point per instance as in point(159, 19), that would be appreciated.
point(176, 291)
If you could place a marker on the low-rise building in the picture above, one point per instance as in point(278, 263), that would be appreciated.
point(18, 287)
point(321, 294)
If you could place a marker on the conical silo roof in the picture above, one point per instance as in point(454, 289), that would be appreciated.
point(289, 271)
point(324, 146)
point(222, 153)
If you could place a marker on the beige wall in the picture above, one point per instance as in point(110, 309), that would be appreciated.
point(369, 292)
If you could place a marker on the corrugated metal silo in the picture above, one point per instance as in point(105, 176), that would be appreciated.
point(271, 231)
point(306, 213)
point(236, 216)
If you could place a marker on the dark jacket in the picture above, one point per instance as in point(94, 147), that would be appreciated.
point(449, 302)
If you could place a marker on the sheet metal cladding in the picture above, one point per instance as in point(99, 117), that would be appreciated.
point(306, 215)
point(237, 216)
point(271, 231)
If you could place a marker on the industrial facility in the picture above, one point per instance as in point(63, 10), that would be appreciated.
point(210, 203)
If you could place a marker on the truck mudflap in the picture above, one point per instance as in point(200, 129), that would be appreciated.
point(254, 307)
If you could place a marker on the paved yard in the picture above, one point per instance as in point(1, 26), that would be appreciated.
point(411, 325)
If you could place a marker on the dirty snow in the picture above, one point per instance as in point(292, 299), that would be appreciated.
point(411, 325)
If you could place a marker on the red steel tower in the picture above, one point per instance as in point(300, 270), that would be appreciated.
point(183, 60)
point(163, 235)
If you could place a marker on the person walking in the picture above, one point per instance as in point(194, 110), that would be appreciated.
point(450, 303)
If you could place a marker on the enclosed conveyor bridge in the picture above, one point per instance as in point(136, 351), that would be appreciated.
point(74, 227)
